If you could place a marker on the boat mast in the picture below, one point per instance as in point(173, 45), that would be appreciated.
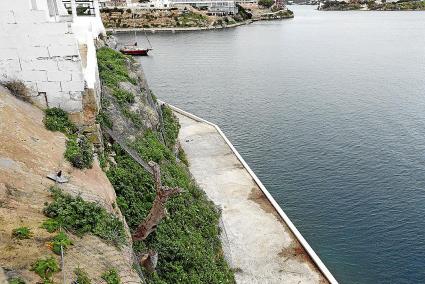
point(134, 27)
point(147, 38)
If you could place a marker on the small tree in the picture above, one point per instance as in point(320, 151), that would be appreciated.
point(266, 3)
point(157, 212)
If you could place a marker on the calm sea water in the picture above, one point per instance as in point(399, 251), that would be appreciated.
point(329, 111)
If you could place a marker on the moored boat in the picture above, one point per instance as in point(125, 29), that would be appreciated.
point(134, 50)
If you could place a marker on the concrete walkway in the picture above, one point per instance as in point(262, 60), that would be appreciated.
point(260, 245)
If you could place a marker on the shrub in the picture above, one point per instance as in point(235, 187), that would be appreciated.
point(18, 89)
point(22, 233)
point(50, 225)
point(266, 3)
point(16, 280)
point(134, 117)
point(123, 96)
point(82, 276)
point(182, 157)
point(150, 148)
point(45, 268)
point(111, 276)
point(104, 120)
point(82, 217)
point(112, 67)
point(59, 240)
point(171, 126)
point(187, 241)
point(79, 152)
point(56, 119)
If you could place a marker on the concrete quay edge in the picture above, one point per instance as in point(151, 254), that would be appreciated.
point(321, 266)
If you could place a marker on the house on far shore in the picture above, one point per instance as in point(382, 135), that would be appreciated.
point(214, 7)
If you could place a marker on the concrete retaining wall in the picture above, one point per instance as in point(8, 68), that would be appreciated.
point(321, 266)
point(45, 55)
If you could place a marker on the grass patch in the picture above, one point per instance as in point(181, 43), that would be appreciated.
point(59, 240)
point(123, 96)
point(150, 148)
point(187, 241)
point(182, 157)
point(16, 280)
point(50, 225)
point(18, 89)
point(82, 276)
point(78, 149)
point(111, 276)
point(134, 117)
point(22, 233)
point(104, 120)
point(79, 152)
point(45, 268)
point(82, 217)
point(113, 67)
point(56, 119)
point(171, 125)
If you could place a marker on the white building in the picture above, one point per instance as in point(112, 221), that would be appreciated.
point(49, 44)
point(214, 7)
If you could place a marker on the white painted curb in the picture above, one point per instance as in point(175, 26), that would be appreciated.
point(328, 275)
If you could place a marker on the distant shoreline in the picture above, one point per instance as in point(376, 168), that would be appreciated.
point(177, 29)
point(278, 15)
point(372, 6)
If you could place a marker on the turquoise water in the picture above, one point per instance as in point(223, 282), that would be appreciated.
point(329, 110)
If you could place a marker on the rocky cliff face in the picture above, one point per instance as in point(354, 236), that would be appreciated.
point(128, 105)
point(28, 153)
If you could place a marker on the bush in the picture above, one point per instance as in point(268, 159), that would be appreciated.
point(123, 96)
point(104, 120)
point(18, 89)
point(45, 268)
point(150, 148)
point(187, 241)
point(79, 152)
point(56, 119)
point(182, 157)
point(82, 276)
point(171, 126)
point(266, 3)
point(59, 240)
point(82, 217)
point(112, 67)
point(111, 276)
point(50, 225)
point(22, 233)
point(16, 280)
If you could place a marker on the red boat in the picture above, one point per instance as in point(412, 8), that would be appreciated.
point(135, 51)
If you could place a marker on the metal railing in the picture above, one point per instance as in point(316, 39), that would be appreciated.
point(84, 7)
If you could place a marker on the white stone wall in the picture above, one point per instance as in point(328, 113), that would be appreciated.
point(43, 54)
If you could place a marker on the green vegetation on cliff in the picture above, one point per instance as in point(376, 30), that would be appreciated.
point(187, 240)
point(56, 119)
point(266, 3)
point(171, 126)
point(402, 5)
point(82, 217)
point(78, 149)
